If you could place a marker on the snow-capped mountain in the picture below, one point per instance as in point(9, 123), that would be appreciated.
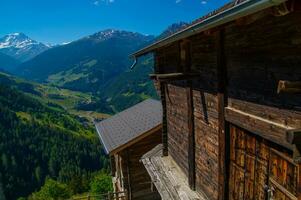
point(115, 34)
point(21, 47)
point(94, 59)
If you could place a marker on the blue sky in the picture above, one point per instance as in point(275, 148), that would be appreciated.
point(58, 21)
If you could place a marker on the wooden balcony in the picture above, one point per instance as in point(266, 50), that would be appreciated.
point(168, 178)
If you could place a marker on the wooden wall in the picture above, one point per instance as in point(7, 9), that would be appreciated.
point(135, 177)
point(258, 55)
point(204, 61)
point(177, 123)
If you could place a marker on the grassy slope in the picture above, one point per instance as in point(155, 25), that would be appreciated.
point(67, 99)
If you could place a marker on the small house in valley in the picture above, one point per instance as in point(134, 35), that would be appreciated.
point(126, 137)
point(230, 87)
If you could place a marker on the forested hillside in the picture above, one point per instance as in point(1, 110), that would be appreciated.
point(39, 140)
point(131, 87)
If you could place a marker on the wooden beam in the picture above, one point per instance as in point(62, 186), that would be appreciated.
point(289, 87)
point(186, 63)
point(221, 73)
point(128, 162)
point(164, 119)
point(113, 165)
point(264, 128)
point(174, 76)
point(191, 137)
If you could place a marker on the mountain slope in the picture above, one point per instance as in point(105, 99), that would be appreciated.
point(85, 64)
point(40, 139)
point(7, 63)
point(21, 47)
point(67, 99)
point(130, 87)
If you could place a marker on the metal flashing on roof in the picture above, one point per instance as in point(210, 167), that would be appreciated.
point(239, 10)
point(124, 127)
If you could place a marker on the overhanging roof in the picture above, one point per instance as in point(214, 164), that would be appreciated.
point(131, 125)
point(226, 14)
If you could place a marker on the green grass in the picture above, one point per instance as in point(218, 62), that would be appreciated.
point(48, 94)
point(64, 77)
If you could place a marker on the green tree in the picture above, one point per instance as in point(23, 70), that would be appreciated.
point(38, 174)
point(101, 184)
point(52, 190)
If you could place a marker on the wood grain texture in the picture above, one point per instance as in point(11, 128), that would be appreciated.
point(130, 172)
point(238, 80)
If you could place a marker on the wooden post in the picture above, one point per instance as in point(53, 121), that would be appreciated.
point(191, 137)
point(164, 120)
point(222, 76)
point(113, 165)
point(129, 174)
point(186, 61)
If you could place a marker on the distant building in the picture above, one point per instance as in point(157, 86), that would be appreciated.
point(126, 137)
point(230, 86)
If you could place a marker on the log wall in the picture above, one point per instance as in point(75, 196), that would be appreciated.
point(258, 55)
point(204, 61)
point(133, 176)
point(177, 123)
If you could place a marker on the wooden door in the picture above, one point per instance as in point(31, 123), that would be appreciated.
point(257, 170)
point(283, 176)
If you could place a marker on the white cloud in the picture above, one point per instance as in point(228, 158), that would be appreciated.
point(204, 2)
point(178, 1)
point(98, 2)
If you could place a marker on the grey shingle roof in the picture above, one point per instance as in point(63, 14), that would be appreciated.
point(126, 126)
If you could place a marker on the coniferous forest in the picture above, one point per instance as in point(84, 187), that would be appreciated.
point(39, 141)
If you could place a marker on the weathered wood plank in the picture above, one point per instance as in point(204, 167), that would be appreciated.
point(191, 137)
point(164, 119)
point(169, 179)
point(289, 87)
point(221, 73)
point(269, 130)
point(174, 76)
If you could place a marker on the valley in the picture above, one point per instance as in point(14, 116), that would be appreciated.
point(49, 100)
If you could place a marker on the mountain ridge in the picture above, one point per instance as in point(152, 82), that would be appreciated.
point(21, 47)
point(94, 59)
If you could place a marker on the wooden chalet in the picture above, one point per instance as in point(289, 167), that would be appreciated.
point(126, 137)
point(230, 86)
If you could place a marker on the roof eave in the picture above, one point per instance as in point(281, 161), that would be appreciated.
point(241, 10)
point(135, 140)
point(102, 141)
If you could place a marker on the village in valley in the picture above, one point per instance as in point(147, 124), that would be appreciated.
point(208, 110)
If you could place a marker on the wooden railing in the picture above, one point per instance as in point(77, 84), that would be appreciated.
point(108, 196)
